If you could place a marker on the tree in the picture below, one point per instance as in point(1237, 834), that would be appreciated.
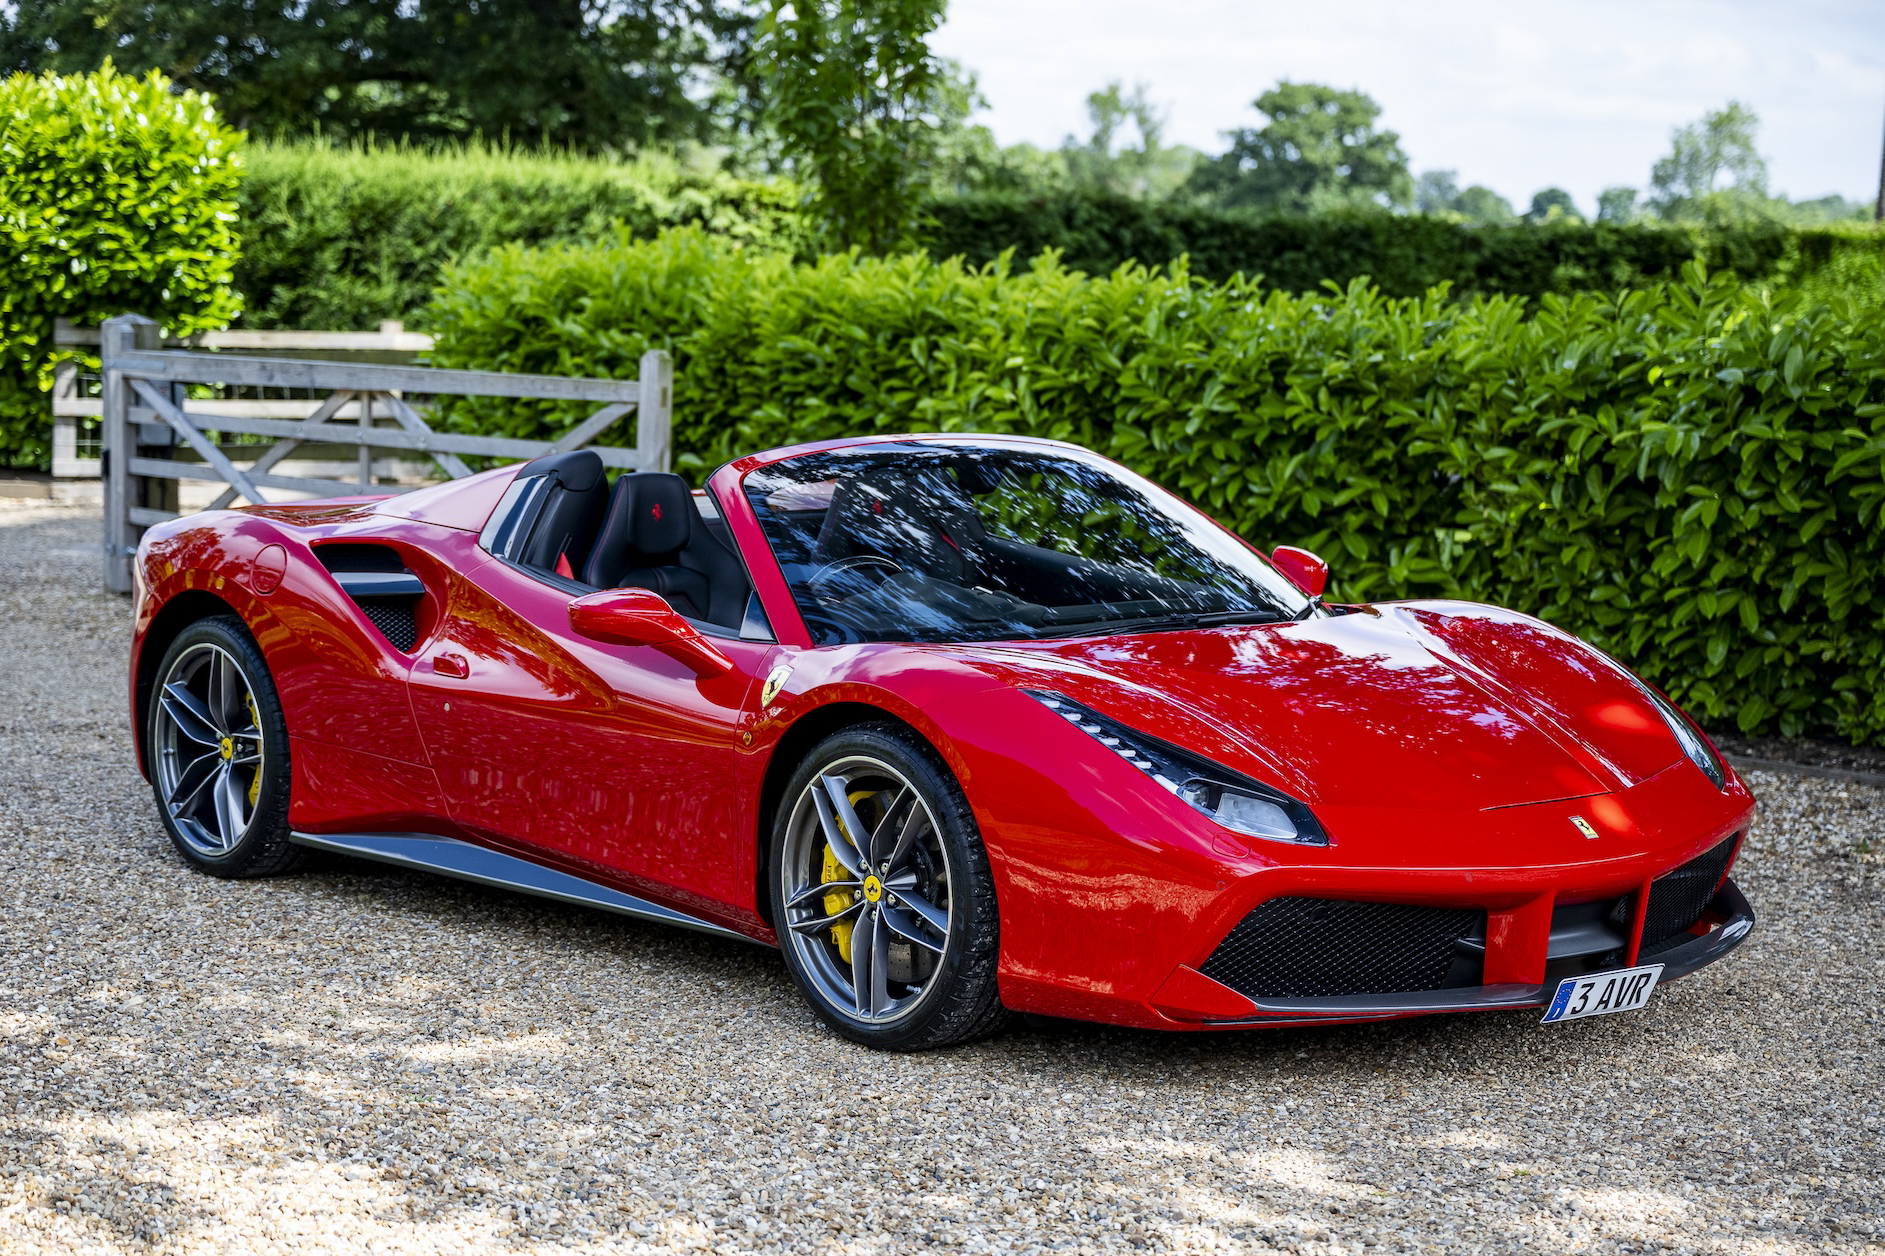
point(1438, 192)
point(1483, 205)
point(1686, 184)
point(858, 102)
point(1553, 205)
point(594, 75)
point(1106, 162)
point(1320, 150)
point(1616, 204)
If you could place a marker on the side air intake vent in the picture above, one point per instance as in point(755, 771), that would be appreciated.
point(380, 585)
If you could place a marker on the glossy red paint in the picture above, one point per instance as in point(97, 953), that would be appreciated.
point(643, 617)
point(1445, 747)
point(1305, 570)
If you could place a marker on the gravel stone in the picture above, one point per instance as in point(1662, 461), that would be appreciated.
point(363, 1059)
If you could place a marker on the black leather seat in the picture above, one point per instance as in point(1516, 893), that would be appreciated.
point(653, 537)
point(918, 519)
point(571, 515)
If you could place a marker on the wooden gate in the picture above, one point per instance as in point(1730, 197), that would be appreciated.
point(147, 415)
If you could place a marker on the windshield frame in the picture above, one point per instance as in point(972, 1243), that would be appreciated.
point(729, 489)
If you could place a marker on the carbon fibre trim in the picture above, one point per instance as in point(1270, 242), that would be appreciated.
point(467, 862)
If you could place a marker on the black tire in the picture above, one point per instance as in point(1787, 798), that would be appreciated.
point(261, 847)
point(958, 1001)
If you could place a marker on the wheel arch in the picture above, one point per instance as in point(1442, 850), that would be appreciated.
point(186, 608)
point(790, 750)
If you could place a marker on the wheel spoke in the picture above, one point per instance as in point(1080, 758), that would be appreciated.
point(215, 692)
point(906, 836)
point(229, 799)
point(880, 963)
point(839, 791)
point(819, 890)
point(930, 914)
point(880, 836)
point(199, 772)
point(905, 925)
point(828, 797)
point(235, 693)
point(818, 924)
point(192, 718)
point(863, 938)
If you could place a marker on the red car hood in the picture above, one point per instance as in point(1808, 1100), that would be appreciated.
point(1440, 705)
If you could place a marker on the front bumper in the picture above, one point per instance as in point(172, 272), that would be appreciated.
point(1730, 915)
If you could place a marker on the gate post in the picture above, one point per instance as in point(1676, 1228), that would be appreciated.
point(654, 413)
point(118, 438)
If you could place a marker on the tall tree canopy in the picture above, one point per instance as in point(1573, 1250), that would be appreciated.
point(593, 75)
point(1553, 205)
point(1438, 192)
point(1107, 161)
point(858, 101)
point(1688, 182)
point(1320, 150)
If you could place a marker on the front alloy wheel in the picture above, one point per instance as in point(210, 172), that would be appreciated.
point(882, 895)
point(218, 751)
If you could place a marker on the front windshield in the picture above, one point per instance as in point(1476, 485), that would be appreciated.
point(972, 542)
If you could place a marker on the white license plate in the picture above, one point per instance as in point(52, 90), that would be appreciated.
point(1599, 994)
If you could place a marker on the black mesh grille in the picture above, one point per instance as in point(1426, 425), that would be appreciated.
point(395, 619)
point(1317, 947)
point(1677, 899)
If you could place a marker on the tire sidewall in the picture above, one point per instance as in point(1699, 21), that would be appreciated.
point(961, 844)
point(263, 846)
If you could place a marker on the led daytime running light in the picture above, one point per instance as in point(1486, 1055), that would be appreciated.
point(1228, 797)
point(1693, 744)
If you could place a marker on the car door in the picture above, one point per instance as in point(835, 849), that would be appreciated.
point(613, 756)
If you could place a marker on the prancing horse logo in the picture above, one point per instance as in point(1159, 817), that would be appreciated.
point(775, 681)
point(1584, 827)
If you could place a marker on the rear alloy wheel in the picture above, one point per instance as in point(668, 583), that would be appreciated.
point(882, 895)
point(218, 748)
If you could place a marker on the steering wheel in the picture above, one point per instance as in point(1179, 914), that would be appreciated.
point(867, 571)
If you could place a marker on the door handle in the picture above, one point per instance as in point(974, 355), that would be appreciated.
point(450, 665)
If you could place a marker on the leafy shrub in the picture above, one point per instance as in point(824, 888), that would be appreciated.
point(339, 237)
point(345, 237)
point(1827, 263)
point(1404, 255)
point(1689, 474)
point(116, 195)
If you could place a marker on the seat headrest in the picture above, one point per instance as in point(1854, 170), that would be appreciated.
point(918, 518)
point(579, 470)
point(651, 513)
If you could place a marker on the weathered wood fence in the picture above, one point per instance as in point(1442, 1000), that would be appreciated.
point(147, 418)
point(76, 410)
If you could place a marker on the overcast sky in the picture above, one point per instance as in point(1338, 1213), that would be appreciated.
point(1513, 94)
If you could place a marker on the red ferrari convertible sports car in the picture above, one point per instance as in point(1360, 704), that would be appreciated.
point(965, 725)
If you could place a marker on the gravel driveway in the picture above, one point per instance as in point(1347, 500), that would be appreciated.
point(363, 1059)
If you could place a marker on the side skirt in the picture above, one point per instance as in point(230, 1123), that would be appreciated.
point(467, 862)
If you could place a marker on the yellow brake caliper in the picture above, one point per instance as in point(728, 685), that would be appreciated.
point(837, 900)
point(255, 785)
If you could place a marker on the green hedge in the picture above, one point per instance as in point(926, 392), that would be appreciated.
point(1403, 255)
point(344, 237)
point(341, 238)
point(1688, 474)
point(115, 195)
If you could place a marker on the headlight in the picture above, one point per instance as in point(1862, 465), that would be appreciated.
point(1229, 798)
point(1693, 744)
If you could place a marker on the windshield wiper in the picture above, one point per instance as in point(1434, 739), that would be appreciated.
point(1160, 623)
